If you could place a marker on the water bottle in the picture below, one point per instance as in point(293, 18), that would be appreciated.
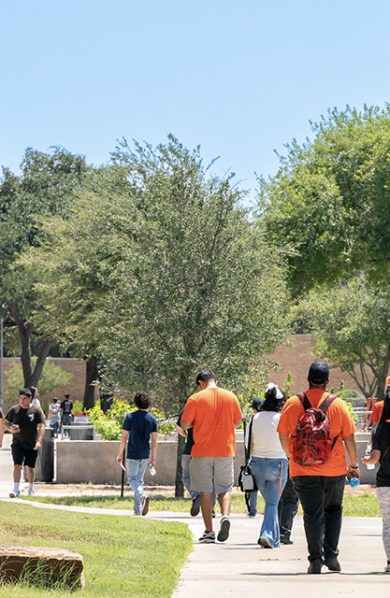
point(353, 480)
point(152, 469)
point(368, 454)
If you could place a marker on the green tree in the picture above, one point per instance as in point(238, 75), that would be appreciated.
point(73, 266)
point(52, 376)
point(165, 273)
point(329, 207)
point(44, 187)
point(352, 327)
point(329, 201)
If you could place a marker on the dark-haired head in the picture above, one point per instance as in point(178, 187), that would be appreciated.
point(205, 376)
point(142, 400)
point(274, 399)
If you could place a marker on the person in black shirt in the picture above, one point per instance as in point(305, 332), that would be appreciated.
point(27, 425)
point(139, 432)
point(67, 416)
point(185, 467)
point(381, 452)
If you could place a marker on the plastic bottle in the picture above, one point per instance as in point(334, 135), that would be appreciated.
point(152, 470)
point(368, 454)
point(353, 480)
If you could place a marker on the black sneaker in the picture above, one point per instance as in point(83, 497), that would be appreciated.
point(285, 540)
point(333, 564)
point(224, 529)
point(315, 567)
point(145, 505)
point(195, 507)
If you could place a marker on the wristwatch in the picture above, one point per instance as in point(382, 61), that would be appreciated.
point(354, 466)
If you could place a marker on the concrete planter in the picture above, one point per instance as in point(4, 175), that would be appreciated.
point(93, 461)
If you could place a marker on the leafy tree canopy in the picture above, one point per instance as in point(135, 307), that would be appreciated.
point(330, 200)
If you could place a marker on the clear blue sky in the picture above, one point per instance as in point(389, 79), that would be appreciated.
point(239, 78)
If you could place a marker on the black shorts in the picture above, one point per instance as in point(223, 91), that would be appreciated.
point(24, 456)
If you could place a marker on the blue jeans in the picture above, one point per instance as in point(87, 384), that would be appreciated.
point(185, 474)
point(270, 476)
point(252, 501)
point(135, 475)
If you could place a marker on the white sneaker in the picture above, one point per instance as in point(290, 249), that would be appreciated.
point(31, 492)
point(14, 493)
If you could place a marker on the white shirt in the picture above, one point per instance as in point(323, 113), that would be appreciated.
point(265, 439)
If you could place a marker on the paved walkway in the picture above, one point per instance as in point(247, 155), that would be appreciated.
point(239, 567)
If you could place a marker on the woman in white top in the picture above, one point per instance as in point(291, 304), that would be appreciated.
point(268, 463)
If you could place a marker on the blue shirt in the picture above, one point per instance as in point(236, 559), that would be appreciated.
point(140, 425)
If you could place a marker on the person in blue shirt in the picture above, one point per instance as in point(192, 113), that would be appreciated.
point(139, 427)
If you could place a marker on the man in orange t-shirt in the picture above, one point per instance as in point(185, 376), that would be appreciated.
point(213, 413)
point(320, 488)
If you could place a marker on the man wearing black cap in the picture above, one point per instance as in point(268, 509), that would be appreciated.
point(27, 425)
point(320, 486)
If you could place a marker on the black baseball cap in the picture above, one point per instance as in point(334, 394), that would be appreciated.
point(318, 373)
point(256, 404)
point(26, 392)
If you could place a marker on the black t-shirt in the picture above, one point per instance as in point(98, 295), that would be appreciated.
point(381, 442)
point(28, 421)
point(189, 440)
point(67, 406)
point(140, 425)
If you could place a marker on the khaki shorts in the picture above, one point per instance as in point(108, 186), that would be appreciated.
point(209, 474)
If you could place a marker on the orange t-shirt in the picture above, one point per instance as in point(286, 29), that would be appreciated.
point(340, 423)
point(212, 413)
point(376, 412)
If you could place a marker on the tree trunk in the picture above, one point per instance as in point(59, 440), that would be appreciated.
point(91, 376)
point(30, 376)
point(41, 359)
point(24, 331)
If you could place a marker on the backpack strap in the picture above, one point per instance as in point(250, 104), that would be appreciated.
point(307, 405)
point(328, 401)
point(304, 400)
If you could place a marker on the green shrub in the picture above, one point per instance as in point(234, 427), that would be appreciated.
point(109, 425)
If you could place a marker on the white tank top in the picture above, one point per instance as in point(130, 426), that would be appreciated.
point(265, 439)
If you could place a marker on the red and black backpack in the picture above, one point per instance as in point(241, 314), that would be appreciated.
point(312, 444)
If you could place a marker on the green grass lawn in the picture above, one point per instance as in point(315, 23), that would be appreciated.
point(358, 505)
point(123, 556)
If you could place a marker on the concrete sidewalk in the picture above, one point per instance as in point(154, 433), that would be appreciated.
point(240, 567)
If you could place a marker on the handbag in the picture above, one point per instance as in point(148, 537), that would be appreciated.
point(246, 481)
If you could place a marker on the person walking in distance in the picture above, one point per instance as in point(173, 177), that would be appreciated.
point(27, 425)
point(317, 463)
point(139, 427)
point(213, 413)
point(66, 413)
